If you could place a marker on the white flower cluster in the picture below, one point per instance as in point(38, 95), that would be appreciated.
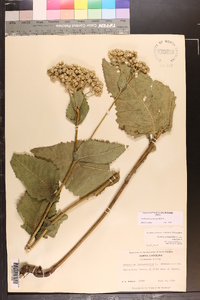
point(75, 78)
point(118, 56)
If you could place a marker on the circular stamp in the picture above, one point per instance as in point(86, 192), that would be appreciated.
point(166, 52)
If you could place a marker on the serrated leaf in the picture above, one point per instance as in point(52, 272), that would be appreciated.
point(52, 229)
point(61, 155)
point(31, 211)
point(111, 78)
point(38, 176)
point(92, 163)
point(77, 99)
point(144, 107)
point(83, 111)
point(87, 177)
point(122, 82)
point(99, 152)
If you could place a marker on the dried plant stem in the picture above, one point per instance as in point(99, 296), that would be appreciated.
point(117, 97)
point(76, 130)
point(76, 203)
point(28, 245)
point(38, 271)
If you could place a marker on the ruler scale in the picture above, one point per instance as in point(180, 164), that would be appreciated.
point(37, 17)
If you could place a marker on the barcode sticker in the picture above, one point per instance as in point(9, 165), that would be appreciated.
point(15, 282)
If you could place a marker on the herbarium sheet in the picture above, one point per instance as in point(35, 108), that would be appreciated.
point(96, 163)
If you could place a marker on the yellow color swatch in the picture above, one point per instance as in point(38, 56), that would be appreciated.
point(81, 4)
point(80, 14)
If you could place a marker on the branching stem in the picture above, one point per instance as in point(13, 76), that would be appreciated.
point(38, 271)
point(76, 203)
point(29, 244)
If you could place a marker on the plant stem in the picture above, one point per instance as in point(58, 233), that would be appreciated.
point(77, 202)
point(38, 272)
point(28, 245)
point(117, 97)
point(76, 130)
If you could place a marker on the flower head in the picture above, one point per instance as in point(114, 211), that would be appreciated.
point(118, 56)
point(75, 77)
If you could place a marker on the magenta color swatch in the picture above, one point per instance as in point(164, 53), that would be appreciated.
point(122, 13)
point(66, 4)
point(53, 4)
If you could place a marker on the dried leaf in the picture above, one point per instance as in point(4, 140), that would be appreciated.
point(145, 106)
point(52, 229)
point(87, 177)
point(38, 176)
point(77, 99)
point(31, 211)
point(111, 78)
point(99, 152)
point(92, 163)
point(60, 154)
point(83, 111)
point(122, 82)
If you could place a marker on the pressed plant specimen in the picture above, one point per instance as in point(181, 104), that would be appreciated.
point(143, 107)
point(83, 167)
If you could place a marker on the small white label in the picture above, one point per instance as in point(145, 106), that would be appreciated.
point(15, 282)
point(163, 237)
point(160, 218)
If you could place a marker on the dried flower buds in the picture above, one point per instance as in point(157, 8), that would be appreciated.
point(118, 56)
point(76, 78)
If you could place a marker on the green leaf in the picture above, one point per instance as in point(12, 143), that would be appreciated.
point(122, 82)
point(145, 106)
point(111, 76)
point(124, 77)
point(38, 176)
point(92, 163)
point(52, 229)
point(87, 177)
point(77, 101)
point(61, 155)
point(31, 211)
point(99, 152)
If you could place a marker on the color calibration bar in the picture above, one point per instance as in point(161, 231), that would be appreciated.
point(27, 10)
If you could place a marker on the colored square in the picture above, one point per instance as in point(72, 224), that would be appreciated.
point(108, 3)
point(122, 13)
point(122, 3)
point(53, 4)
point(53, 14)
point(39, 10)
point(81, 14)
point(12, 16)
point(66, 4)
point(80, 4)
point(67, 14)
point(10, 6)
point(26, 15)
point(94, 13)
point(108, 13)
point(26, 5)
point(94, 4)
